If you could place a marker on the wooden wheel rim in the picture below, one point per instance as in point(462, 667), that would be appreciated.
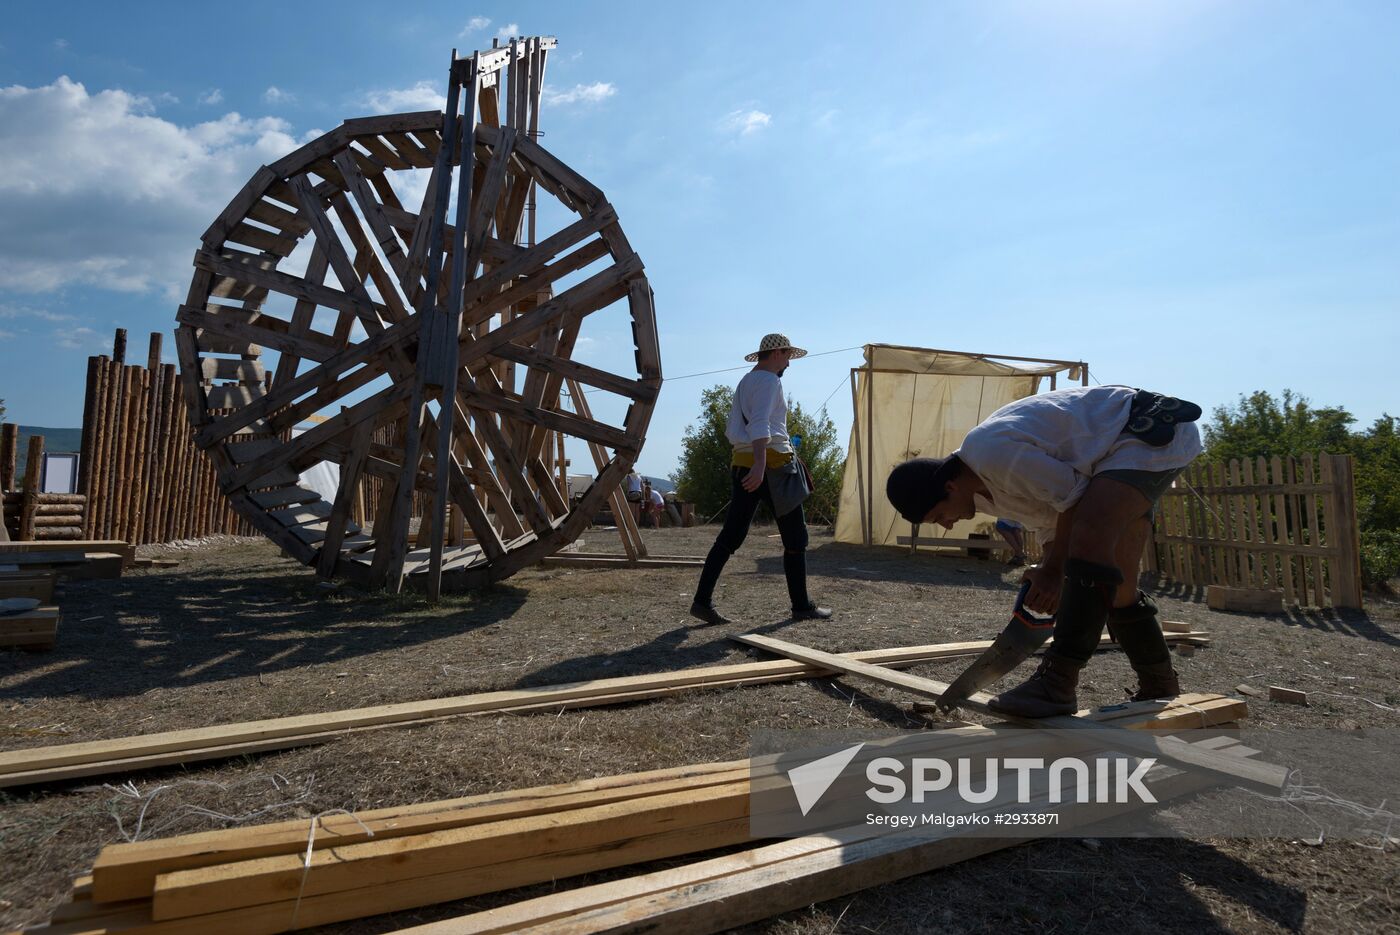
point(243, 411)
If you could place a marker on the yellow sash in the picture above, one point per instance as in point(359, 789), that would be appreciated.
point(773, 459)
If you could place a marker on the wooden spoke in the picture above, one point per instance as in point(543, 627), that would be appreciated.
point(428, 372)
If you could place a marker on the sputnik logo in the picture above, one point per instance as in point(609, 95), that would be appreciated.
point(811, 780)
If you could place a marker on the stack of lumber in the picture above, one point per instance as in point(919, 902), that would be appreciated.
point(725, 892)
point(95, 758)
point(53, 515)
point(283, 876)
point(83, 558)
point(34, 627)
point(38, 585)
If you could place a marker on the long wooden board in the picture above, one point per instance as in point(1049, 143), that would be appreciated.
point(68, 761)
point(1265, 776)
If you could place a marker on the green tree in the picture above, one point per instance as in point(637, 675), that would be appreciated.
point(703, 476)
point(823, 456)
point(1260, 425)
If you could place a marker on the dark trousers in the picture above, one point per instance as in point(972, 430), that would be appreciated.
point(792, 527)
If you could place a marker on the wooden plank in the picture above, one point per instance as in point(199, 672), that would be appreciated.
point(1280, 526)
point(1344, 533)
point(129, 871)
point(36, 629)
point(244, 269)
point(1288, 695)
point(283, 496)
point(377, 408)
point(1270, 778)
point(476, 847)
point(553, 697)
point(360, 302)
point(40, 586)
point(727, 892)
point(339, 513)
point(1315, 527)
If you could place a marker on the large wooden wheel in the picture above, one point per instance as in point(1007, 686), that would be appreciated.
point(438, 344)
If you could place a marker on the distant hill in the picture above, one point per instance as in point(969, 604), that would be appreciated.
point(58, 441)
point(660, 483)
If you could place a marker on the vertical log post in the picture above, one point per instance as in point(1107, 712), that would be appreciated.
point(33, 469)
point(9, 452)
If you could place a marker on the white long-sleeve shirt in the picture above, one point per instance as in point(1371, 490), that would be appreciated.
point(759, 411)
point(1036, 455)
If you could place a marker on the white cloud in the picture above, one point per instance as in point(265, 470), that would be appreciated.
point(579, 94)
point(745, 122)
point(275, 95)
point(509, 31)
point(60, 44)
point(475, 24)
point(425, 95)
point(76, 339)
point(211, 97)
point(21, 311)
point(165, 97)
point(99, 191)
point(6, 335)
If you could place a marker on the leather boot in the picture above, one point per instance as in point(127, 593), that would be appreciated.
point(1157, 680)
point(1050, 691)
point(1136, 630)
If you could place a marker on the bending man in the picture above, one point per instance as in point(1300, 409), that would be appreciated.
point(1084, 468)
point(763, 467)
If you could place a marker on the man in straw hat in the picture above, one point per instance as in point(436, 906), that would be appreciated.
point(763, 467)
point(1084, 468)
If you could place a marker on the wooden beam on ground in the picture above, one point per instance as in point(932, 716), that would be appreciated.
point(570, 560)
point(38, 586)
point(92, 758)
point(1261, 775)
point(35, 629)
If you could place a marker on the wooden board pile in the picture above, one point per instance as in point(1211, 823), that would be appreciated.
point(84, 558)
point(285, 876)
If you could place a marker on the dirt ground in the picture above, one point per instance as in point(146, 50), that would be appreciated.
point(237, 632)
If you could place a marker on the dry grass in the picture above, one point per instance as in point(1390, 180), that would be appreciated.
point(237, 633)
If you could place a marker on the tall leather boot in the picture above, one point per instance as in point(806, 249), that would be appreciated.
point(1050, 691)
point(1086, 594)
point(1136, 630)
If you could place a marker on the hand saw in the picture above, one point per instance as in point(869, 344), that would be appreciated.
point(1023, 635)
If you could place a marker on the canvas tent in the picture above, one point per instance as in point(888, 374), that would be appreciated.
point(912, 402)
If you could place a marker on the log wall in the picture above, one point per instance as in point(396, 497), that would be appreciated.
point(143, 477)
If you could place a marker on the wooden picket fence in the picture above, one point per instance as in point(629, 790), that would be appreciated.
point(1287, 523)
point(144, 479)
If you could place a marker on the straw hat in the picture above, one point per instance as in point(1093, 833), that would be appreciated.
point(775, 342)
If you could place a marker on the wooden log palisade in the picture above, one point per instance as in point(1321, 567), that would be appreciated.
point(140, 477)
point(449, 332)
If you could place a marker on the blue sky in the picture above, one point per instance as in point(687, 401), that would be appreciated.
point(1197, 197)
